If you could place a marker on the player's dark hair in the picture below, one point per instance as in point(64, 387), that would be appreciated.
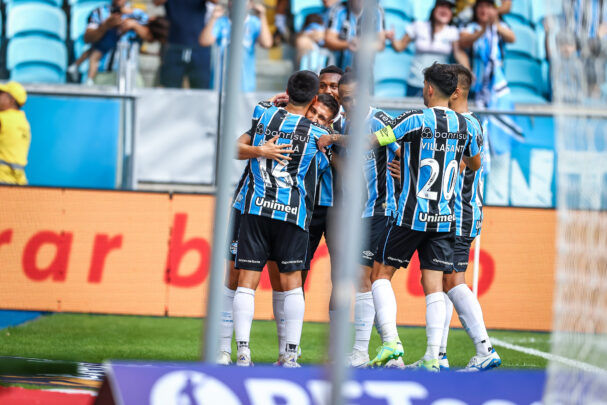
point(464, 76)
point(330, 102)
point(332, 69)
point(442, 77)
point(348, 78)
point(302, 87)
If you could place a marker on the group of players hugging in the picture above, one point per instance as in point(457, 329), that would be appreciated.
point(423, 193)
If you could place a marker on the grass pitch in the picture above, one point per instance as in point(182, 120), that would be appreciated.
point(95, 338)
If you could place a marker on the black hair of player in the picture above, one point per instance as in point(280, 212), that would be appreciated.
point(464, 76)
point(348, 78)
point(442, 77)
point(302, 87)
point(330, 103)
point(331, 69)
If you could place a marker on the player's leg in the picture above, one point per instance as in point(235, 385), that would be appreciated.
point(253, 252)
point(469, 309)
point(289, 249)
point(231, 284)
point(436, 258)
point(94, 60)
point(442, 353)
point(278, 307)
point(395, 248)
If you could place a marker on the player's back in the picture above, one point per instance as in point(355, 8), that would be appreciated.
point(281, 191)
point(468, 190)
point(433, 141)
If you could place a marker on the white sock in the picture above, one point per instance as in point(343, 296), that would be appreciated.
point(364, 314)
point(278, 306)
point(376, 323)
point(449, 313)
point(244, 308)
point(385, 309)
point(295, 306)
point(227, 321)
point(471, 315)
point(435, 322)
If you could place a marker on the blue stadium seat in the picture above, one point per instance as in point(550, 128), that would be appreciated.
point(35, 18)
point(37, 59)
point(521, 9)
point(302, 8)
point(538, 11)
point(390, 89)
point(422, 10)
point(523, 95)
point(55, 3)
point(526, 40)
point(398, 22)
point(79, 17)
point(391, 69)
point(316, 60)
point(525, 72)
point(404, 7)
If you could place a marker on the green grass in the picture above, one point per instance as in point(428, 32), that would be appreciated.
point(95, 338)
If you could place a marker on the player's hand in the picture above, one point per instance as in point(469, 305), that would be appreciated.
point(113, 21)
point(280, 99)
point(279, 153)
point(218, 11)
point(323, 142)
point(394, 168)
point(128, 25)
point(259, 9)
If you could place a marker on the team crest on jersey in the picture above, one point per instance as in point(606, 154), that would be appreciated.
point(427, 133)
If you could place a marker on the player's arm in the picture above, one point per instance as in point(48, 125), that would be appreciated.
point(269, 150)
point(265, 35)
point(331, 139)
point(208, 35)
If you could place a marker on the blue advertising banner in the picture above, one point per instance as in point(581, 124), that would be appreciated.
point(74, 141)
point(192, 383)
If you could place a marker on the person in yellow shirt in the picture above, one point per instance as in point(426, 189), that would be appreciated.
point(15, 134)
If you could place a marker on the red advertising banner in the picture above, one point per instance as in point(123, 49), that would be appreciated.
point(148, 254)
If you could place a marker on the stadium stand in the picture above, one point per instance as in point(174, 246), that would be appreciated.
point(35, 19)
point(302, 8)
point(391, 71)
point(56, 3)
point(37, 59)
point(79, 13)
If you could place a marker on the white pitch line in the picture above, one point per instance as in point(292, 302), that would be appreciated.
point(551, 357)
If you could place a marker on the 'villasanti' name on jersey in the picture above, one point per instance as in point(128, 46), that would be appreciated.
point(433, 142)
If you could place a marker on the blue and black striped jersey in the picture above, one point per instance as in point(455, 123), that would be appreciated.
point(381, 193)
point(241, 187)
point(433, 141)
point(278, 191)
point(469, 189)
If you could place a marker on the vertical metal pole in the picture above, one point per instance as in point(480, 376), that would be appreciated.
point(476, 268)
point(349, 215)
point(225, 154)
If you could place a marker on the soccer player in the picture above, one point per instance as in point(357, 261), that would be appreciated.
point(322, 112)
point(433, 142)
point(468, 219)
point(276, 215)
point(379, 208)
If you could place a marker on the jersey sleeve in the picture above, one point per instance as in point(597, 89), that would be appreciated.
point(324, 163)
point(141, 17)
point(405, 125)
point(475, 141)
point(218, 29)
point(336, 20)
point(94, 19)
point(257, 113)
point(255, 28)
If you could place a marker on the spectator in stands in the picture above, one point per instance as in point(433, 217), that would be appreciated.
point(486, 36)
point(108, 26)
point(436, 40)
point(464, 10)
point(342, 35)
point(256, 30)
point(15, 134)
point(182, 56)
point(311, 37)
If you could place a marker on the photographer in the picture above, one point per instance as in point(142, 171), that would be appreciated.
point(107, 26)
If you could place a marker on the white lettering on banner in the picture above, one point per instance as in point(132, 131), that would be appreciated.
point(267, 391)
point(321, 391)
point(191, 387)
point(395, 392)
point(273, 205)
